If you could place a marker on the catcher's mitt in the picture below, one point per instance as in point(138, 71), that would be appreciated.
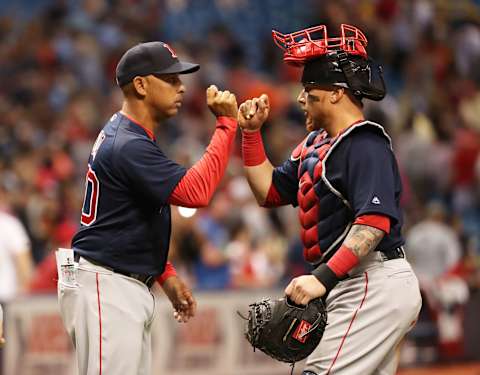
point(283, 330)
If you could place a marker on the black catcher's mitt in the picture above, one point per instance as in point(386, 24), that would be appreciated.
point(285, 331)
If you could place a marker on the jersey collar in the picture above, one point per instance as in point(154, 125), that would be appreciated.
point(333, 139)
point(133, 121)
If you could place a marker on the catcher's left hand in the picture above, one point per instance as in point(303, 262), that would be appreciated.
point(285, 331)
point(303, 289)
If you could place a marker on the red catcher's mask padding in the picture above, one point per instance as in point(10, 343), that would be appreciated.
point(306, 44)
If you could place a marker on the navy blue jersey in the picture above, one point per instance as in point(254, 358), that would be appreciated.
point(363, 168)
point(125, 217)
point(285, 178)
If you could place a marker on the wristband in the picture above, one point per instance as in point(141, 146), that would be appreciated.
point(376, 221)
point(343, 261)
point(252, 149)
point(168, 272)
point(326, 276)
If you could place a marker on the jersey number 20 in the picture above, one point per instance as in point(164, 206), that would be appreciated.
point(90, 202)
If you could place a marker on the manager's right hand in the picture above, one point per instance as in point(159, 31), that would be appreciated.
point(222, 103)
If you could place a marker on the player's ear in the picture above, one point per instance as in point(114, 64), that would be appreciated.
point(140, 85)
point(336, 94)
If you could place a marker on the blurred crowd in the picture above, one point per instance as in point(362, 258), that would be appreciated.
point(57, 67)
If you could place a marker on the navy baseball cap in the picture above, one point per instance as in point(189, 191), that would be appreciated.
point(150, 58)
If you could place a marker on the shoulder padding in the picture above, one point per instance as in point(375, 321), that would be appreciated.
point(307, 142)
point(297, 151)
point(365, 128)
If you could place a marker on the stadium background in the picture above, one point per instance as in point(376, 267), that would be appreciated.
point(57, 62)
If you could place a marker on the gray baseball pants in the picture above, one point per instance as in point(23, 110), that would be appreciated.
point(108, 316)
point(368, 315)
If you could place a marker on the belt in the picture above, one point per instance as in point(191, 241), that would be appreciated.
point(146, 279)
point(391, 254)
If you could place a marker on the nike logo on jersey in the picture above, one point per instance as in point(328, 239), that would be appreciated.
point(375, 200)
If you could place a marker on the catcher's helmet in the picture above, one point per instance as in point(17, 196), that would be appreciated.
point(340, 61)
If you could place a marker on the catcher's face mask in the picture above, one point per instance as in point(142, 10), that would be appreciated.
point(340, 61)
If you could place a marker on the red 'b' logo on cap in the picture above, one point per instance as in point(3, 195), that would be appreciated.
point(174, 55)
point(300, 333)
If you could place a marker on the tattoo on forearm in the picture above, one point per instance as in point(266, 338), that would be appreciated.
point(362, 239)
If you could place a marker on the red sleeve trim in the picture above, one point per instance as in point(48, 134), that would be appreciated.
point(343, 261)
point(252, 149)
point(169, 272)
point(377, 221)
point(228, 122)
point(273, 198)
point(196, 188)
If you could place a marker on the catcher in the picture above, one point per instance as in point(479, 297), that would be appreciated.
point(345, 181)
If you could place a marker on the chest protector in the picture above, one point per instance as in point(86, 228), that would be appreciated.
point(325, 214)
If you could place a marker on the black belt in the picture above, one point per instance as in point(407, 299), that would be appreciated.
point(146, 279)
point(391, 254)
